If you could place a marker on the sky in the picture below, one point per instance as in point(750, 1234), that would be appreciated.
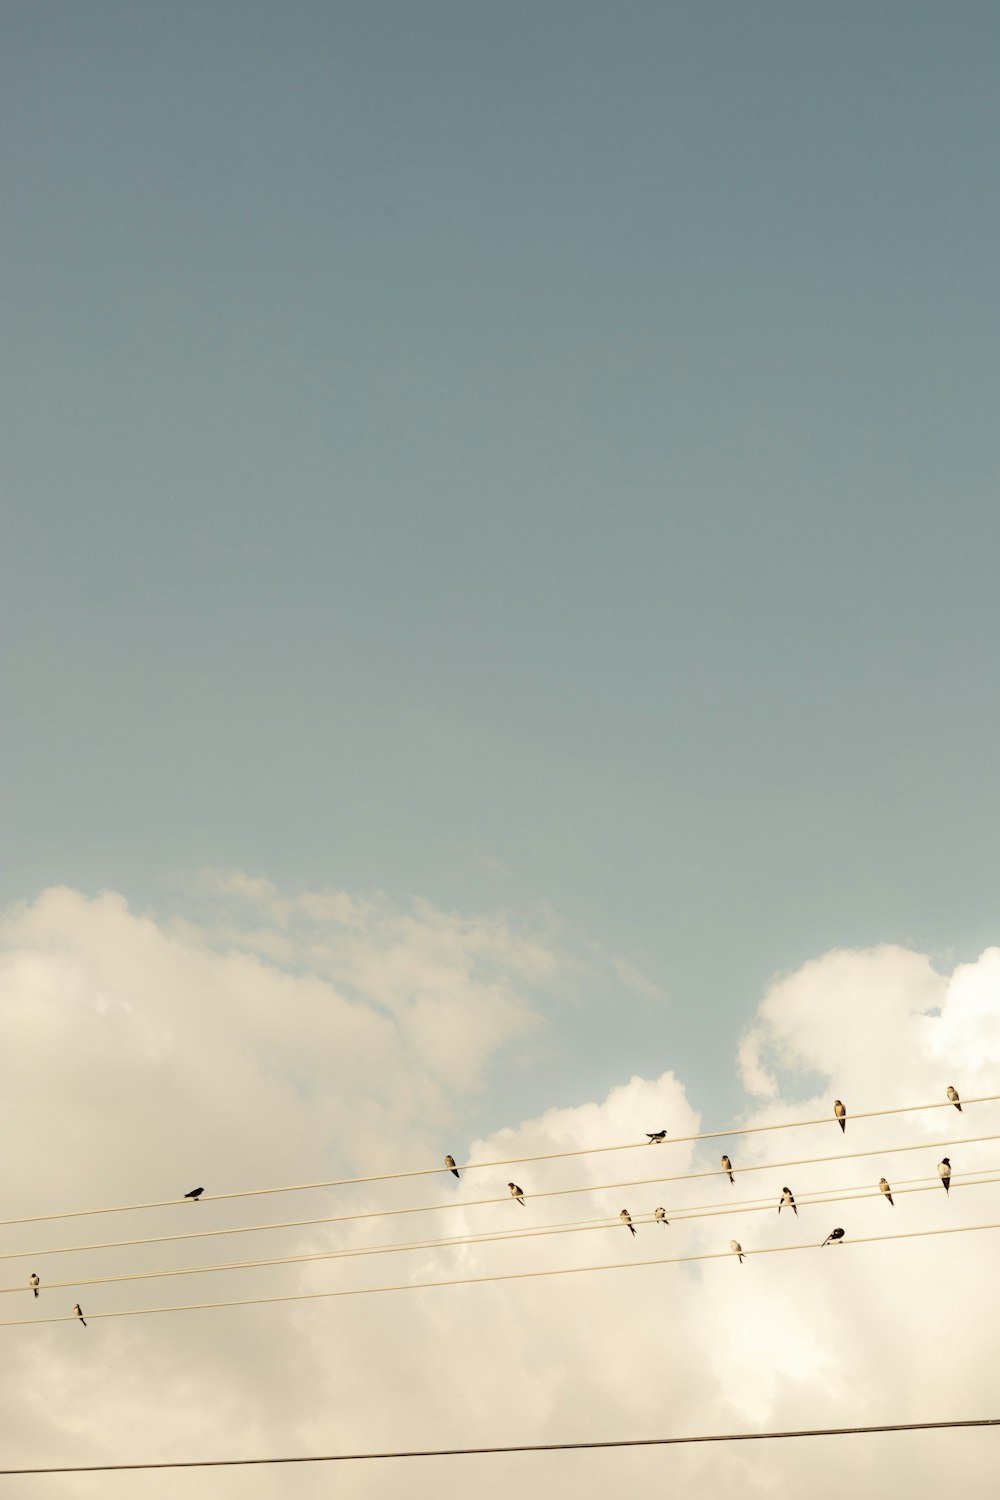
point(497, 584)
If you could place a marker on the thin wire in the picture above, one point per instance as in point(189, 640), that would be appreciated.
point(461, 1241)
point(656, 1442)
point(510, 1161)
point(416, 1286)
point(389, 1213)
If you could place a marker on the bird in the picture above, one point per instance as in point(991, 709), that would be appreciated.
point(449, 1162)
point(34, 1283)
point(727, 1167)
point(737, 1249)
point(656, 1137)
point(79, 1314)
point(887, 1190)
point(626, 1219)
point(944, 1172)
point(835, 1234)
point(660, 1215)
point(194, 1194)
point(841, 1112)
point(516, 1192)
point(953, 1096)
point(787, 1201)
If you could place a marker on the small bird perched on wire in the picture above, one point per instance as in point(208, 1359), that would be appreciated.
point(79, 1314)
point(840, 1111)
point(944, 1172)
point(787, 1200)
point(727, 1167)
point(626, 1219)
point(516, 1192)
point(194, 1194)
point(737, 1249)
point(835, 1235)
point(660, 1215)
point(953, 1096)
point(656, 1137)
point(34, 1283)
point(449, 1162)
point(887, 1190)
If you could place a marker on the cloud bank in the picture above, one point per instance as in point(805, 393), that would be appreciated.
point(275, 1038)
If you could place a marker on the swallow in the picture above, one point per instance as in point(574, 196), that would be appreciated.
point(79, 1314)
point(841, 1112)
point(953, 1096)
point(660, 1216)
point(944, 1172)
point(887, 1190)
point(516, 1192)
point(787, 1201)
point(194, 1194)
point(626, 1219)
point(656, 1137)
point(737, 1249)
point(449, 1162)
point(34, 1283)
point(727, 1167)
point(835, 1234)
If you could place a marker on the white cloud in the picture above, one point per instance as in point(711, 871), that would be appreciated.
point(289, 1037)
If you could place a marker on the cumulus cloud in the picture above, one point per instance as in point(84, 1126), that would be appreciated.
point(287, 1037)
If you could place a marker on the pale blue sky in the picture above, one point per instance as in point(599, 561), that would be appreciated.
point(512, 454)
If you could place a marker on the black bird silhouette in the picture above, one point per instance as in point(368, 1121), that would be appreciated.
point(835, 1234)
point(727, 1167)
point(76, 1309)
point(656, 1137)
point(787, 1201)
point(195, 1193)
point(449, 1162)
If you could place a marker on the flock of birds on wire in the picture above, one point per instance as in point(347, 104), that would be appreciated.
point(656, 1138)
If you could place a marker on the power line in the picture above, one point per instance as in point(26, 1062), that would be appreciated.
point(388, 1213)
point(414, 1286)
point(654, 1442)
point(512, 1161)
point(463, 1241)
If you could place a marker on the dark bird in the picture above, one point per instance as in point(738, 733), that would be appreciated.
point(944, 1172)
point(727, 1167)
point(660, 1215)
point(737, 1249)
point(516, 1192)
point(953, 1096)
point(626, 1219)
point(194, 1194)
point(79, 1314)
point(787, 1200)
point(841, 1112)
point(835, 1234)
point(656, 1137)
point(34, 1283)
point(449, 1162)
point(887, 1190)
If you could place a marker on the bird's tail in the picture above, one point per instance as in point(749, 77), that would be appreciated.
point(454, 1171)
point(891, 1204)
point(959, 1108)
point(632, 1229)
point(731, 1177)
point(795, 1210)
point(843, 1126)
point(84, 1322)
point(35, 1290)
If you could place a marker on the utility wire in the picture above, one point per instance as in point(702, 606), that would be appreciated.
point(388, 1213)
point(414, 1286)
point(511, 1161)
point(461, 1241)
point(655, 1442)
